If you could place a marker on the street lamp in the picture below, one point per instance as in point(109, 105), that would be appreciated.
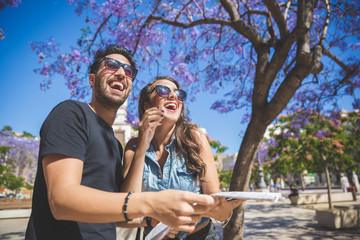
point(261, 183)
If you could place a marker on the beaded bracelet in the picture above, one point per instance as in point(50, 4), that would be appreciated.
point(125, 207)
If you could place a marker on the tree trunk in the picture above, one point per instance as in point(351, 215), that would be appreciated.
point(349, 174)
point(241, 175)
point(302, 181)
point(328, 182)
point(263, 110)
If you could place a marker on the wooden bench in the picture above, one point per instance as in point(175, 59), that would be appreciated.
point(314, 198)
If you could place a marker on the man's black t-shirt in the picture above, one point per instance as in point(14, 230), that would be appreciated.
point(74, 130)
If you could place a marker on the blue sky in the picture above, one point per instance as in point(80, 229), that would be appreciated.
point(24, 106)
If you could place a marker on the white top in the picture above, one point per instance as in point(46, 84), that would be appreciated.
point(344, 182)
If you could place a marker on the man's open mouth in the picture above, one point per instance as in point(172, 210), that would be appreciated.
point(117, 85)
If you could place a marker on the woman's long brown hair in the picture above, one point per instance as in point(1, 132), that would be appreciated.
point(185, 134)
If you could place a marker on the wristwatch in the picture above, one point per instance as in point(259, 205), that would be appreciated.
point(148, 221)
point(225, 222)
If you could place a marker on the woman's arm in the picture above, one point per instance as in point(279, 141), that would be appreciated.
point(134, 157)
point(133, 167)
point(210, 183)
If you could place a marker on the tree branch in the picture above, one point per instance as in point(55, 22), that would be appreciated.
point(239, 26)
point(262, 83)
point(231, 9)
point(286, 90)
point(289, 65)
point(345, 81)
point(97, 32)
point(181, 11)
point(304, 18)
point(147, 22)
point(317, 66)
point(271, 30)
point(157, 62)
point(336, 59)
point(326, 24)
point(288, 4)
point(191, 24)
point(198, 6)
point(217, 42)
point(278, 16)
point(342, 38)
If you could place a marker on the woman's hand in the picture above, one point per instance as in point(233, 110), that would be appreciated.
point(172, 233)
point(150, 120)
point(224, 208)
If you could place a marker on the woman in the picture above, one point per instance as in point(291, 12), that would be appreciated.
point(172, 153)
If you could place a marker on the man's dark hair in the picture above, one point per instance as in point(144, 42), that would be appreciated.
point(110, 49)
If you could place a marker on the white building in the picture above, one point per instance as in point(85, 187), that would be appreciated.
point(123, 130)
point(226, 162)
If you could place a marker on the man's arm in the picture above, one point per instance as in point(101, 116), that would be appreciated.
point(69, 200)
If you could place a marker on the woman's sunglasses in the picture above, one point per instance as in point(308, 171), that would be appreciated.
point(164, 91)
point(114, 65)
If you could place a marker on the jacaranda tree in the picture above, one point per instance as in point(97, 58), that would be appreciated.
point(20, 157)
point(307, 140)
point(265, 53)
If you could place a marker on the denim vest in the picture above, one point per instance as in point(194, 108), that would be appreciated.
point(174, 175)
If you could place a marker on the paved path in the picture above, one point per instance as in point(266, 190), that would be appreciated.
point(263, 220)
point(13, 229)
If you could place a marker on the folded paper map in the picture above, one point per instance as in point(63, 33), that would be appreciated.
point(158, 232)
point(265, 196)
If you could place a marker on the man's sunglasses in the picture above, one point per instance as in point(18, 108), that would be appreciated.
point(164, 91)
point(114, 65)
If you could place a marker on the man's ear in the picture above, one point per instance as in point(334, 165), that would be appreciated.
point(92, 79)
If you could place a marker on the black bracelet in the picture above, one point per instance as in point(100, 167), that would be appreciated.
point(148, 221)
point(125, 207)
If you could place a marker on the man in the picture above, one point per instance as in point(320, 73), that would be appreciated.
point(344, 182)
point(78, 182)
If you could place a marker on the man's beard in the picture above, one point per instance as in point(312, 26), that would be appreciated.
point(105, 99)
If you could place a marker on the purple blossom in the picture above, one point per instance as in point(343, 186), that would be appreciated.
point(206, 57)
point(76, 54)
point(194, 33)
point(12, 3)
point(288, 134)
point(320, 134)
point(354, 46)
point(2, 6)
